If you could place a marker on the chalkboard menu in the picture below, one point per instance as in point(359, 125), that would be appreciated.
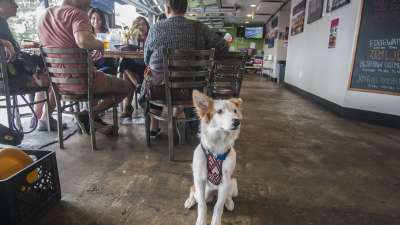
point(376, 65)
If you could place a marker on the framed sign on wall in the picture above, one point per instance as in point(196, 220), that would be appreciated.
point(315, 9)
point(298, 16)
point(335, 4)
point(376, 60)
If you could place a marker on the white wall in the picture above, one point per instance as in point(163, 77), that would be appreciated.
point(324, 72)
point(278, 52)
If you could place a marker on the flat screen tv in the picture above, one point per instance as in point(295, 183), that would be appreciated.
point(254, 32)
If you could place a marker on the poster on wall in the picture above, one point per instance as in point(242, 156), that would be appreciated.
point(298, 16)
point(376, 63)
point(333, 33)
point(335, 4)
point(315, 8)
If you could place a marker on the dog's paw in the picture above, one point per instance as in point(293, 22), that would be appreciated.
point(235, 190)
point(229, 204)
point(190, 202)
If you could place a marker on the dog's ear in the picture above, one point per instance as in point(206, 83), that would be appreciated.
point(237, 101)
point(202, 102)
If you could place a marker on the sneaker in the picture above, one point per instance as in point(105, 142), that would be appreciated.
point(42, 125)
point(103, 127)
point(155, 133)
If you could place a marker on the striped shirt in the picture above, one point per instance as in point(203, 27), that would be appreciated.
point(178, 33)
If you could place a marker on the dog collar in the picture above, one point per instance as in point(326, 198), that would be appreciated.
point(220, 157)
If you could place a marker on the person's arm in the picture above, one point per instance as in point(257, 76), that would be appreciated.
point(8, 49)
point(213, 40)
point(83, 32)
point(86, 40)
point(149, 46)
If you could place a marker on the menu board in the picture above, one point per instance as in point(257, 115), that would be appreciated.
point(376, 65)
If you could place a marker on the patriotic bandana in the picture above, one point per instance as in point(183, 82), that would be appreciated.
point(214, 166)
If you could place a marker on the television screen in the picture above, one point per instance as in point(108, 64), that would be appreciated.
point(254, 32)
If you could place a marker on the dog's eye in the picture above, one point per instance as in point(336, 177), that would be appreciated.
point(219, 111)
point(235, 111)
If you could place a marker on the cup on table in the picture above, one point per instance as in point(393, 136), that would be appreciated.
point(105, 38)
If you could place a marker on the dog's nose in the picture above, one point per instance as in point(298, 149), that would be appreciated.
point(236, 122)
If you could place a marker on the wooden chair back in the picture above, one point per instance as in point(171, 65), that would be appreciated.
point(228, 73)
point(69, 66)
point(186, 70)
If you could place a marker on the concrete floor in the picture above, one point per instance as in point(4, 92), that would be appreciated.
point(297, 164)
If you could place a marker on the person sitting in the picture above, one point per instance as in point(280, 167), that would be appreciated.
point(133, 69)
point(176, 32)
point(68, 26)
point(99, 23)
point(20, 76)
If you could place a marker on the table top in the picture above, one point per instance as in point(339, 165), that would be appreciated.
point(123, 54)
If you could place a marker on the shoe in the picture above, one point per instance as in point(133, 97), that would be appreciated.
point(42, 125)
point(127, 113)
point(107, 130)
point(155, 133)
point(103, 127)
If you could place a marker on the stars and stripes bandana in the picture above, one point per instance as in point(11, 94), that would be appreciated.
point(214, 166)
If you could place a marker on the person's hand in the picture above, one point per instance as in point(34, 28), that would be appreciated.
point(97, 55)
point(9, 50)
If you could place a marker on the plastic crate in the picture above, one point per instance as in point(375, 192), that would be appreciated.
point(21, 201)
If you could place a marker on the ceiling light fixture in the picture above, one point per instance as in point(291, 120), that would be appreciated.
point(246, 22)
point(252, 5)
point(249, 15)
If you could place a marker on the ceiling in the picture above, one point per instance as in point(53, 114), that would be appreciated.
point(224, 13)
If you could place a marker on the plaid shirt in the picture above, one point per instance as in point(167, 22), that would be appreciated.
point(178, 33)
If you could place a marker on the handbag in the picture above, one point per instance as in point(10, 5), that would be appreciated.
point(10, 137)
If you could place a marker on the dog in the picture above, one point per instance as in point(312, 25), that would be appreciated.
point(214, 159)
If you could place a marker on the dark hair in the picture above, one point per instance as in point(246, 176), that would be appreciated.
point(178, 6)
point(141, 18)
point(161, 17)
point(104, 25)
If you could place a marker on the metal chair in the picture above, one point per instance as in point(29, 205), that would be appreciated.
point(184, 71)
point(226, 80)
point(11, 93)
point(80, 70)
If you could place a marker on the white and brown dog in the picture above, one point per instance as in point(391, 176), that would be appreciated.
point(214, 159)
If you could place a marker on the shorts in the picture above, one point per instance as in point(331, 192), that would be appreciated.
point(136, 66)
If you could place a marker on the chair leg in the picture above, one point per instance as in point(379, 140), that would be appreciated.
point(47, 103)
point(59, 124)
point(136, 98)
point(147, 124)
point(17, 114)
point(115, 120)
point(9, 112)
point(92, 128)
point(170, 133)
